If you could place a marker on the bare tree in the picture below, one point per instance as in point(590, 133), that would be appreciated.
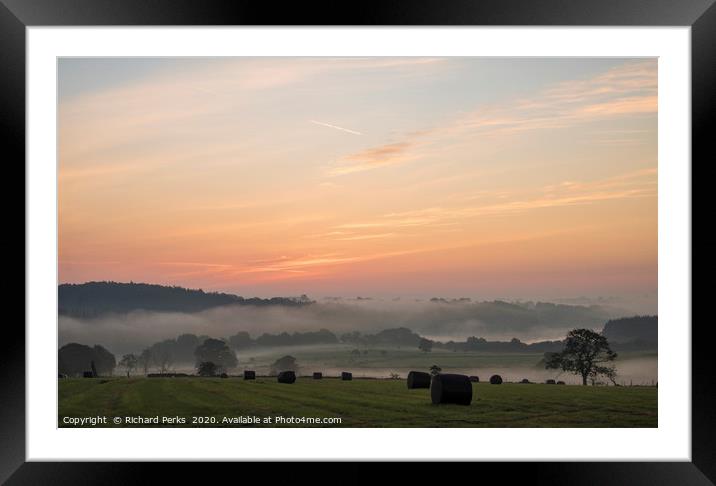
point(145, 360)
point(129, 363)
point(162, 359)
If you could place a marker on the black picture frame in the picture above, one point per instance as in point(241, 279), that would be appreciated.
point(16, 15)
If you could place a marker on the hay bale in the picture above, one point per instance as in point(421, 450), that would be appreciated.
point(418, 379)
point(495, 380)
point(317, 375)
point(475, 379)
point(345, 376)
point(525, 380)
point(449, 388)
point(560, 383)
point(550, 382)
point(287, 377)
point(223, 375)
point(87, 374)
point(249, 375)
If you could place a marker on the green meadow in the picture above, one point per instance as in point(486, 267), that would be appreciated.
point(216, 402)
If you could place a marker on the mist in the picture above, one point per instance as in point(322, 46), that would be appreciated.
point(443, 321)
point(331, 360)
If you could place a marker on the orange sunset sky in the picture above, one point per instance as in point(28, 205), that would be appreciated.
point(476, 177)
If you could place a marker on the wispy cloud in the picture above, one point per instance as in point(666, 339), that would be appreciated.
point(217, 175)
point(374, 157)
point(324, 260)
point(196, 103)
point(365, 237)
point(195, 264)
point(636, 184)
point(628, 90)
point(336, 127)
point(306, 265)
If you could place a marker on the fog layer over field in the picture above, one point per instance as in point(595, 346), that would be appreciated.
point(438, 320)
point(637, 368)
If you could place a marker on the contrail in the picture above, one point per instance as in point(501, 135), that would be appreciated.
point(336, 127)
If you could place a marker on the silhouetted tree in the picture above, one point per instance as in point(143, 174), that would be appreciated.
point(584, 354)
point(354, 337)
point(285, 363)
point(104, 360)
point(162, 355)
point(75, 358)
point(425, 345)
point(241, 340)
point(184, 348)
point(399, 336)
point(145, 360)
point(322, 336)
point(129, 363)
point(611, 375)
point(218, 352)
point(207, 368)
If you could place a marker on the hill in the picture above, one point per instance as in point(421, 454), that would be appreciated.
point(634, 330)
point(97, 298)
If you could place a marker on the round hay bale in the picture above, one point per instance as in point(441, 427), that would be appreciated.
point(223, 375)
point(449, 388)
point(317, 376)
point(475, 379)
point(560, 383)
point(550, 382)
point(345, 376)
point(525, 380)
point(418, 379)
point(287, 377)
point(249, 375)
point(495, 380)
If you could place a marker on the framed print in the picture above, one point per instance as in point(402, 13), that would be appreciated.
point(419, 232)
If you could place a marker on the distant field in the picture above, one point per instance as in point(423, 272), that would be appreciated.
point(358, 403)
point(638, 368)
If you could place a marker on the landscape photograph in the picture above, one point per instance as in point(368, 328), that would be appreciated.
point(357, 242)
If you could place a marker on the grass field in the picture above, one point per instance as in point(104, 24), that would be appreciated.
point(358, 403)
point(380, 361)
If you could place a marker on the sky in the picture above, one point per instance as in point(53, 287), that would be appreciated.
point(457, 177)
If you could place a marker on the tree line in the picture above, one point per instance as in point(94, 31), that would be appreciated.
point(584, 352)
point(77, 359)
point(93, 299)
